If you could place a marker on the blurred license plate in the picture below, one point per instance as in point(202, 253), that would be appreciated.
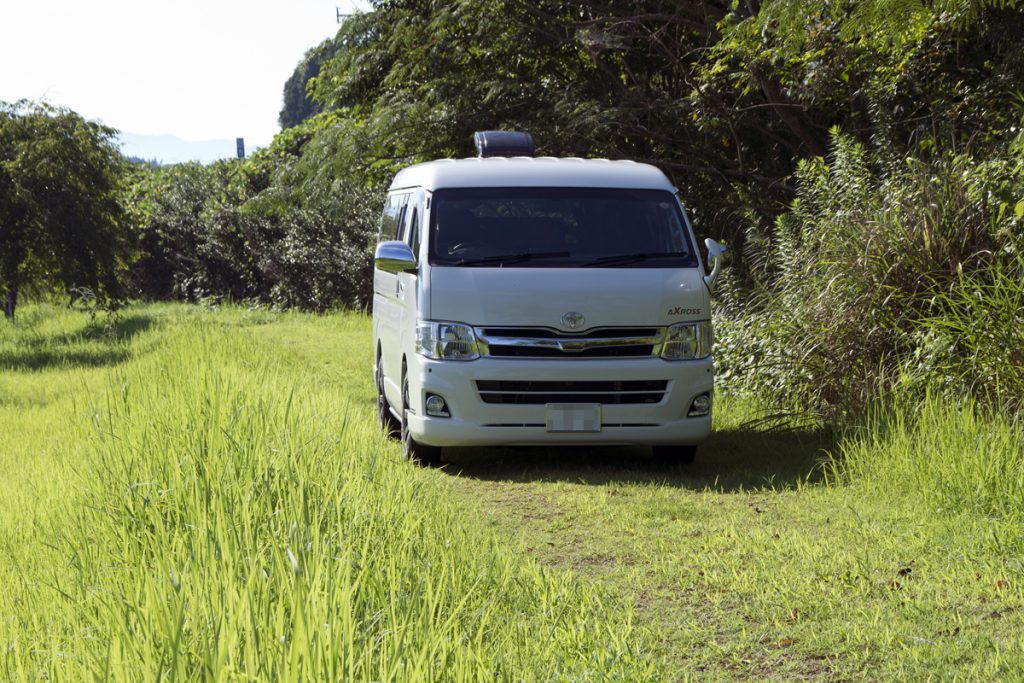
point(574, 417)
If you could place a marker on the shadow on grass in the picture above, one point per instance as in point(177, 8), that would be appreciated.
point(94, 345)
point(743, 458)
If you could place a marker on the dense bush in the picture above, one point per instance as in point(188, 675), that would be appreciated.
point(313, 190)
point(192, 244)
point(275, 229)
point(322, 261)
point(881, 276)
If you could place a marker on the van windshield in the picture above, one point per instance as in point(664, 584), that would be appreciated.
point(558, 228)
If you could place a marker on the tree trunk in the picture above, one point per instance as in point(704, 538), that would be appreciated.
point(792, 115)
point(10, 301)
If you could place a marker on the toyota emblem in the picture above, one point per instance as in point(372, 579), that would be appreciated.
point(572, 320)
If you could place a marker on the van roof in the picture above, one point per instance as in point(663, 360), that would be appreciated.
point(531, 172)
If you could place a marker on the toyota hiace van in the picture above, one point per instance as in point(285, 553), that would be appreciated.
point(523, 301)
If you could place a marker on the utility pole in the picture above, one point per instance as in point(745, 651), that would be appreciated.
point(340, 15)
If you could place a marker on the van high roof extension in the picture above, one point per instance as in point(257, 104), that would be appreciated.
point(532, 172)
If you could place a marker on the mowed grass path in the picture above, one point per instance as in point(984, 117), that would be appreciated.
point(749, 564)
point(201, 495)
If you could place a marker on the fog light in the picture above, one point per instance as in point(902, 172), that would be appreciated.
point(700, 407)
point(436, 406)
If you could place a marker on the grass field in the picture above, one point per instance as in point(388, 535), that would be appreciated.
point(188, 494)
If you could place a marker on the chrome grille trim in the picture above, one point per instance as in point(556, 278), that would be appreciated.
point(545, 342)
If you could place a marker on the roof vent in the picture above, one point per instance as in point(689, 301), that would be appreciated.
point(503, 143)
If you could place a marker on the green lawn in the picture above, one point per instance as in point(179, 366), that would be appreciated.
point(193, 494)
point(745, 579)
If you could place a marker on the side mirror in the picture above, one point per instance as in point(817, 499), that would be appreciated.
point(716, 252)
point(394, 256)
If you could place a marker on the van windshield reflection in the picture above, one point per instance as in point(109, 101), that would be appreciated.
point(558, 227)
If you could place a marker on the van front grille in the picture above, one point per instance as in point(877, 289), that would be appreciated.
point(550, 333)
point(543, 342)
point(529, 392)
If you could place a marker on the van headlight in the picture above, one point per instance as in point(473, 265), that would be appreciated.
point(687, 341)
point(446, 341)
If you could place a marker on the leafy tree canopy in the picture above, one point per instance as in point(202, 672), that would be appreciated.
point(725, 97)
point(60, 214)
point(298, 104)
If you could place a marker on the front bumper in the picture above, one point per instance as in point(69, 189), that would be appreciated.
point(476, 423)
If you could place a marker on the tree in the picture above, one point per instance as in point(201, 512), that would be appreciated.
point(60, 214)
point(593, 78)
point(725, 97)
point(298, 105)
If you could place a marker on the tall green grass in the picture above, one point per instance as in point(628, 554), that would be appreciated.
point(53, 363)
point(235, 515)
point(197, 495)
point(952, 456)
point(972, 341)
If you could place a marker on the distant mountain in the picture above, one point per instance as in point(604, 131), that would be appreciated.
point(170, 149)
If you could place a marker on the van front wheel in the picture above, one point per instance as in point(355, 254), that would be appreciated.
point(670, 455)
point(412, 449)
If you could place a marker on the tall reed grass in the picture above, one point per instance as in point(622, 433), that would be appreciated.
point(242, 519)
point(972, 339)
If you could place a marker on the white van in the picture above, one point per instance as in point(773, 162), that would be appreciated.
point(528, 301)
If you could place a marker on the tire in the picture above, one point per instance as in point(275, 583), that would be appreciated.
point(412, 449)
point(674, 455)
point(385, 420)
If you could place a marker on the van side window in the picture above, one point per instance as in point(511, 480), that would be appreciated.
point(403, 224)
point(391, 219)
point(410, 231)
point(413, 238)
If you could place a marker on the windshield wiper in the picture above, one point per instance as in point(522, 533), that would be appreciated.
point(623, 259)
point(507, 259)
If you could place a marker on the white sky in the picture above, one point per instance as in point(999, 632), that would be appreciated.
point(198, 69)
